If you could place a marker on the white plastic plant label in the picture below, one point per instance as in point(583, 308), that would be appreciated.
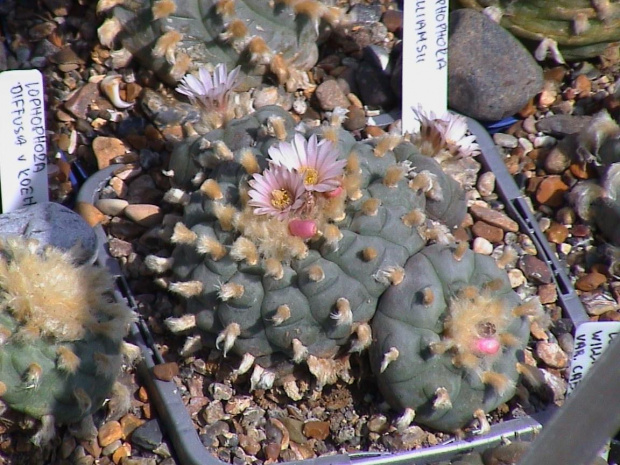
point(425, 59)
point(23, 158)
point(591, 340)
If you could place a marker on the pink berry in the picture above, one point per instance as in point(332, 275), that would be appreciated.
point(487, 346)
point(302, 228)
point(335, 193)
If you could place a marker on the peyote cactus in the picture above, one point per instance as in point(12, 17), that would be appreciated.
point(286, 247)
point(197, 153)
point(173, 36)
point(448, 338)
point(572, 29)
point(596, 200)
point(60, 335)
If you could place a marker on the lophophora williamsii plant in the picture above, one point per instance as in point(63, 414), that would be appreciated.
point(287, 242)
point(61, 336)
point(595, 200)
point(293, 235)
point(276, 38)
point(449, 339)
point(568, 29)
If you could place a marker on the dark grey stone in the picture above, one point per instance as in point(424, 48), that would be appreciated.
point(490, 73)
point(374, 86)
point(148, 436)
point(563, 125)
point(52, 224)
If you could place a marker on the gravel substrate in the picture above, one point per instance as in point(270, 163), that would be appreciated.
point(87, 132)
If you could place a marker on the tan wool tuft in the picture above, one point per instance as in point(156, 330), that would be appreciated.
point(47, 293)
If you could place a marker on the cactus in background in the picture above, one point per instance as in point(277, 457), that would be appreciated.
point(173, 36)
point(596, 200)
point(449, 337)
point(289, 240)
point(572, 29)
point(60, 335)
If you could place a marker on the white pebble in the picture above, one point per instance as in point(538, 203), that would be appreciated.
point(544, 223)
point(526, 145)
point(544, 141)
point(486, 183)
point(482, 246)
point(565, 248)
point(505, 140)
point(516, 278)
point(529, 125)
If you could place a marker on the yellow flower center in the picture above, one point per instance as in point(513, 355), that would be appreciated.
point(311, 176)
point(280, 198)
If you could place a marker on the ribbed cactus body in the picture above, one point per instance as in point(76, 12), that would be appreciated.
point(257, 289)
point(581, 28)
point(449, 337)
point(173, 37)
point(60, 333)
point(198, 153)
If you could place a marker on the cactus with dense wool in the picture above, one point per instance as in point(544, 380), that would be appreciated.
point(171, 37)
point(292, 268)
point(574, 29)
point(448, 339)
point(60, 335)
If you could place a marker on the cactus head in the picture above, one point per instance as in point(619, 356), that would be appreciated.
point(60, 333)
point(448, 339)
point(172, 37)
point(287, 244)
point(568, 29)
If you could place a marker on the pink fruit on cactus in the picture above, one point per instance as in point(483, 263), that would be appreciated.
point(487, 346)
point(304, 229)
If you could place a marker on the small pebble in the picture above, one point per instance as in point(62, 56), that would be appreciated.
point(249, 445)
point(144, 214)
point(486, 183)
point(272, 451)
point(482, 246)
point(505, 140)
point(552, 354)
point(238, 404)
point(551, 191)
point(214, 411)
point(590, 281)
point(535, 269)
point(106, 149)
point(109, 432)
point(547, 293)
point(557, 233)
point(166, 371)
point(148, 436)
point(316, 429)
point(544, 141)
point(330, 95)
point(494, 217)
point(516, 278)
point(220, 391)
point(112, 207)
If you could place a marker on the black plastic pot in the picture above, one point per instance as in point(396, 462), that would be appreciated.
point(178, 424)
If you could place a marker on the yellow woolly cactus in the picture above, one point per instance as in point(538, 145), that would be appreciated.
point(60, 334)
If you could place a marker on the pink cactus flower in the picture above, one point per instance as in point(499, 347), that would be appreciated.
point(317, 162)
point(210, 90)
point(452, 128)
point(277, 192)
